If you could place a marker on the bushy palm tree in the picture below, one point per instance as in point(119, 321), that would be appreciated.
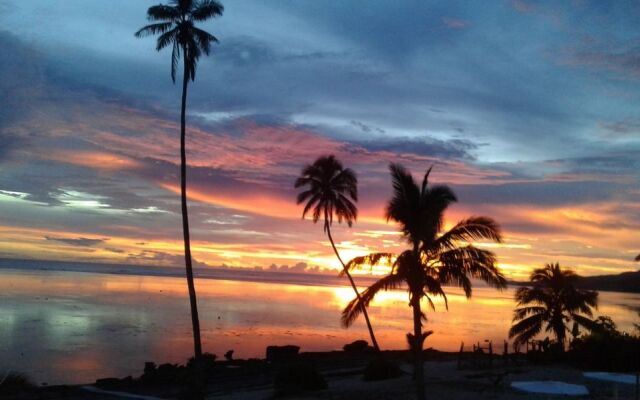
point(551, 303)
point(331, 190)
point(433, 258)
point(175, 23)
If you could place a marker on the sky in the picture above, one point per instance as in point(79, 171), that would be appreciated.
point(528, 110)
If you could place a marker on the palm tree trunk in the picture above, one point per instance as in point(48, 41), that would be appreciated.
point(416, 294)
point(417, 347)
point(374, 342)
point(195, 321)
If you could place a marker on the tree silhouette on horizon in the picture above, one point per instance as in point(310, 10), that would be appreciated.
point(553, 300)
point(433, 259)
point(331, 189)
point(175, 25)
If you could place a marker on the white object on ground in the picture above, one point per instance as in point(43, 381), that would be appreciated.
point(612, 376)
point(94, 389)
point(550, 387)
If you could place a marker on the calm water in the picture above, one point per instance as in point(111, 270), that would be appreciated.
point(71, 327)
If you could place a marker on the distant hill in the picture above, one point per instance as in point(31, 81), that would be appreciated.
point(624, 282)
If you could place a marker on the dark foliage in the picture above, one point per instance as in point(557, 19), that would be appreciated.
point(13, 382)
point(357, 346)
point(550, 303)
point(606, 351)
point(282, 353)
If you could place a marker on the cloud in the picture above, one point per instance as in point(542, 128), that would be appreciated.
point(81, 241)
point(454, 23)
point(620, 60)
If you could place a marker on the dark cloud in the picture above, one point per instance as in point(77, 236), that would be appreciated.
point(426, 146)
point(81, 241)
point(540, 193)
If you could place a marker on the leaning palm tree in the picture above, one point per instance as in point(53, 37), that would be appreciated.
point(175, 23)
point(433, 258)
point(552, 302)
point(331, 190)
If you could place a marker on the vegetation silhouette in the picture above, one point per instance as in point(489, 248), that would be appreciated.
point(637, 258)
point(330, 189)
point(175, 23)
point(434, 258)
point(552, 299)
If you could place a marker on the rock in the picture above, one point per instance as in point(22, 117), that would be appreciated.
point(282, 353)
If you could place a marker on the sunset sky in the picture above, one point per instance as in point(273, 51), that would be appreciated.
point(528, 110)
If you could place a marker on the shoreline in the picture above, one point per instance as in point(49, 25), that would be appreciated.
point(343, 371)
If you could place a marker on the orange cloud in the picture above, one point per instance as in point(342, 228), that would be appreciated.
point(93, 159)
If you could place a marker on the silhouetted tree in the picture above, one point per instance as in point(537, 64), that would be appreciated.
point(331, 190)
point(433, 259)
point(637, 258)
point(175, 23)
point(552, 300)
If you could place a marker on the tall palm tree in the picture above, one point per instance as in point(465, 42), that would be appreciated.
point(552, 300)
point(175, 23)
point(331, 190)
point(433, 258)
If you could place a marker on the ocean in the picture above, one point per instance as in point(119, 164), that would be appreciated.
point(73, 323)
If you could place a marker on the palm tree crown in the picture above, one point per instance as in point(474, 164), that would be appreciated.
point(332, 190)
point(552, 300)
point(175, 25)
point(434, 258)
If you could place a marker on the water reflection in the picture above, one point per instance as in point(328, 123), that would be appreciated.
point(68, 327)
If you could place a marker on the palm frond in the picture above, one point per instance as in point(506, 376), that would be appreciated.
point(175, 59)
point(403, 206)
point(471, 261)
point(585, 322)
point(163, 13)
point(355, 306)
point(206, 9)
point(203, 39)
point(535, 295)
point(153, 29)
point(522, 312)
point(527, 328)
point(370, 260)
point(469, 229)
